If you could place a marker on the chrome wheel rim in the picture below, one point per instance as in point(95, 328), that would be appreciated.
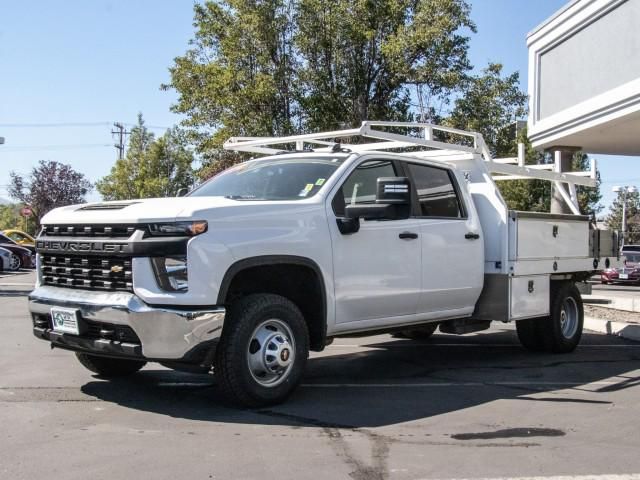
point(271, 352)
point(14, 262)
point(569, 317)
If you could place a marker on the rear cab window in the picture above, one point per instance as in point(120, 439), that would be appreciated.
point(436, 192)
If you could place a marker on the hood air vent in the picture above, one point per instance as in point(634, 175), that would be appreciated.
point(107, 206)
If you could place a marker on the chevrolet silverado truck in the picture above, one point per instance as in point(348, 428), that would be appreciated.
point(320, 238)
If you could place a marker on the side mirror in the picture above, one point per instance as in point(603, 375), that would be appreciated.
point(182, 192)
point(393, 202)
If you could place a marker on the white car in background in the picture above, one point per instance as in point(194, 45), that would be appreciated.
point(6, 259)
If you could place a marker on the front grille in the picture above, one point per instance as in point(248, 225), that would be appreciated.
point(90, 231)
point(87, 272)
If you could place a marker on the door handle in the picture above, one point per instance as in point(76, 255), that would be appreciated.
point(472, 236)
point(408, 236)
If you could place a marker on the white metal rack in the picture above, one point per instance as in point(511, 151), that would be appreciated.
point(384, 136)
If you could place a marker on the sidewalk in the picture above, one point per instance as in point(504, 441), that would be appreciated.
point(613, 314)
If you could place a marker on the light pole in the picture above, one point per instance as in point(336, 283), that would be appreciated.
point(624, 190)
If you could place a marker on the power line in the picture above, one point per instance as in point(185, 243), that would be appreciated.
point(22, 148)
point(53, 125)
point(74, 124)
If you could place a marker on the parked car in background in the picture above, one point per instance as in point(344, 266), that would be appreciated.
point(5, 240)
point(6, 259)
point(20, 237)
point(629, 272)
point(25, 256)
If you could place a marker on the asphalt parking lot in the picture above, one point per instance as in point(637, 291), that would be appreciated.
point(477, 406)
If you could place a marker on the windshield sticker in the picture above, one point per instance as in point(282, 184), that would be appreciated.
point(320, 182)
point(305, 191)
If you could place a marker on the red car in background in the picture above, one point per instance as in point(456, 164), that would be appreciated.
point(630, 272)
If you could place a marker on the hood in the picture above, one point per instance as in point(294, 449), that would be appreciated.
point(135, 211)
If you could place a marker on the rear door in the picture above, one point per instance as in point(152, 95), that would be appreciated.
point(451, 242)
point(377, 270)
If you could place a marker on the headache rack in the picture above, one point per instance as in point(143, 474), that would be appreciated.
point(427, 141)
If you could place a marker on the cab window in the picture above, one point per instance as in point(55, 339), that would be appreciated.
point(437, 196)
point(362, 184)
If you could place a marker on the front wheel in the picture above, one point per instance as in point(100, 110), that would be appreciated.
point(109, 367)
point(14, 263)
point(263, 350)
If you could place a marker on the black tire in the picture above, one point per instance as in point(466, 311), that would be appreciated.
point(109, 367)
point(420, 333)
point(561, 331)
point(248, 315)
point(530, 334)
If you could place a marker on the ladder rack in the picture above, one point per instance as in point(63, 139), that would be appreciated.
point(383, 136)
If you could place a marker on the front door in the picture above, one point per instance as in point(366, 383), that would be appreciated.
point(377, 270)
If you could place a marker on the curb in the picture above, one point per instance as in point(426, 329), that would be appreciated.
point(630, 331)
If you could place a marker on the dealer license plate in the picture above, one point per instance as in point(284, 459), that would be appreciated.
point(624, 276)
point(65, 320)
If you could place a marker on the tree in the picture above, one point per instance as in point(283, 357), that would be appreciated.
point(614, 219)
point(9, 216)
point(50, 185)
point(236, 79)
point(491, 104)
point(151, 168)
point(277, 67)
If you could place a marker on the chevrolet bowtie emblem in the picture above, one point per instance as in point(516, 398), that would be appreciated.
point(117, 269)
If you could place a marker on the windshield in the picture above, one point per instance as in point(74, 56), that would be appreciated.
point(4, 239)
point(632, 257)
point(274, 179)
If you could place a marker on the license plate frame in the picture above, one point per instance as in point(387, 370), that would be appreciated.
point(65, 320)
point(624, 276)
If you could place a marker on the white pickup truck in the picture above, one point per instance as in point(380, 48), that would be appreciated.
point(278, 255)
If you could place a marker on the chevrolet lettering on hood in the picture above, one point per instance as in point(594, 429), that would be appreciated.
point(79, 246)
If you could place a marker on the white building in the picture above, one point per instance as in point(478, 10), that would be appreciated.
point(584, 78)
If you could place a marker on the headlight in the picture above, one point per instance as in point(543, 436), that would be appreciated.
point(178, 229)
point(171, 273)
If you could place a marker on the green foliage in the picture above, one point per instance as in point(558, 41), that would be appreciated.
point(614, 219)
point(10, 216)
point(276, 67)
point(491, 104)
point(152, 167)
point(50, 185)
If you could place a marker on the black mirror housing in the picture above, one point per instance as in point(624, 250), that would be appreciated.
point(182, 192)
point(393, 191)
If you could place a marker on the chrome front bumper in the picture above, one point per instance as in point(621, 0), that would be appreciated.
point(164, 333)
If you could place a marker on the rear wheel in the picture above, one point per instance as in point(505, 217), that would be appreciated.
point(263, 350)
point(109, 367)
point(561, 331)
point(420, 333)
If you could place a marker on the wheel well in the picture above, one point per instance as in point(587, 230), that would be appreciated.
point(299, 282)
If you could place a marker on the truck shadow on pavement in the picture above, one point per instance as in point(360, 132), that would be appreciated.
point(388, 381)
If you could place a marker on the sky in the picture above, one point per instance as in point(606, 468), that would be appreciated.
point(68, 70)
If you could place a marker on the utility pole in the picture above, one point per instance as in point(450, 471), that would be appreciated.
point(121, 134)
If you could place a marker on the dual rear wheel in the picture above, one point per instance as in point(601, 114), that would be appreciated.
point(561, 331)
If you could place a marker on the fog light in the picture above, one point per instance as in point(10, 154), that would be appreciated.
point(171, 273)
